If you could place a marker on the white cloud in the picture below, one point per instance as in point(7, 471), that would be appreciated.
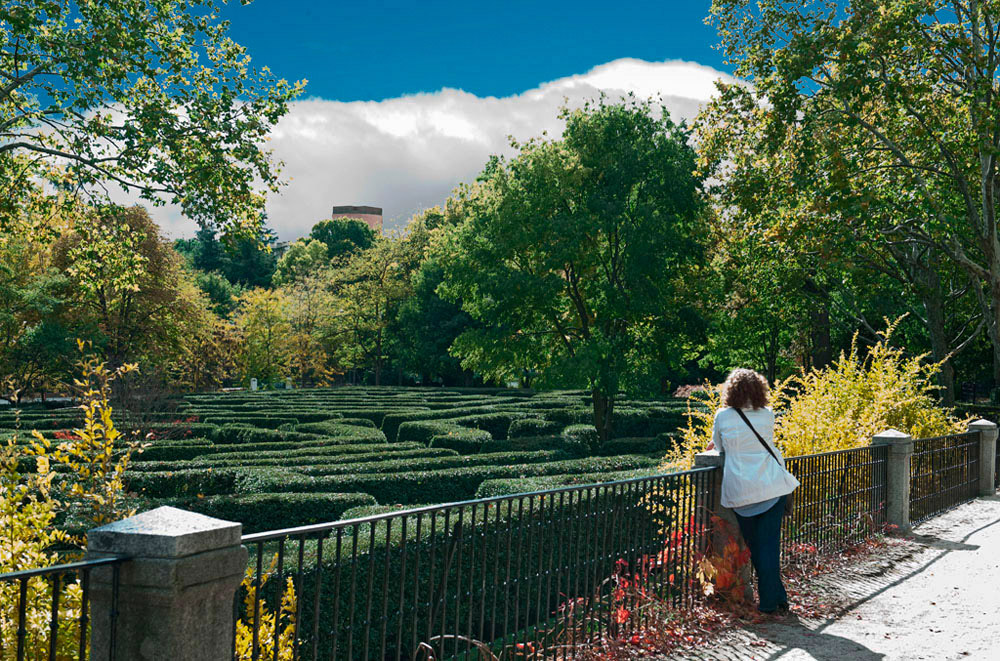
point(408, 153)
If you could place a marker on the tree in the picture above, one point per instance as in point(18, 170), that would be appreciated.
point(425, 327)
point(343, 236)
point(577, 253)
point(367, 289)
point(35, 327)
point(250, 262)
point(265, 334)
point(127, 278)
point(897, 106)
point(151, 97)
point(222, 294)
point(303, 258)
point(309, 309)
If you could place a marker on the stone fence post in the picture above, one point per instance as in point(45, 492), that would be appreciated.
point(720, 536)
point(897, 492)
point(175, 594)
point(987, 455)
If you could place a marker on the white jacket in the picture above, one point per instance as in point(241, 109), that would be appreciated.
point(750, 474)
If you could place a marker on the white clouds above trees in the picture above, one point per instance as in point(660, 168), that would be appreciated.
point(405, 154)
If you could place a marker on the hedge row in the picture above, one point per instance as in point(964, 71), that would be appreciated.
point(270, 511)
point(434, 463)
point(323, 454)
point(445, 485)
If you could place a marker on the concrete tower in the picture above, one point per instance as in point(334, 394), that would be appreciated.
point(372, 216)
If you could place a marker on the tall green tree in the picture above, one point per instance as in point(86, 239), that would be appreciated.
point(303, 258)
point(126, 278)
point(887, 115)
point(577, 254)
point(265, 336)
point(343, 236)
point(151, 97)
point(367, 290)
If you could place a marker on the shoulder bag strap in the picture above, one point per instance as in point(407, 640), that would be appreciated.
point(759, 437)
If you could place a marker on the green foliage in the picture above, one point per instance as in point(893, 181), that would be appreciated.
point(583, 437)
point(342, 236)
point(222, 294)
point(266, 336)
point(302, 258)
point(532, 427)
point(128, 280)
point(151, 97)
point(881, 164)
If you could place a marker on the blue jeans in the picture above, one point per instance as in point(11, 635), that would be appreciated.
point(762, 534)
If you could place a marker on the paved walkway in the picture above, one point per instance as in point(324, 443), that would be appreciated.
point(933, 596)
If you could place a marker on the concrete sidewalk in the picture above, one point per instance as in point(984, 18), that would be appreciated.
point(934, 595)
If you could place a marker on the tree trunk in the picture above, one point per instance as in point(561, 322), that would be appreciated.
point(604, 408)
point(939, 347)
point(378, 358)
point(822, 352)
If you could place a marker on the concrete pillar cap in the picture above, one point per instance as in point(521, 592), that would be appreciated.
point(166, 532)
point(891, 436)
point(708, 458)
point(983, 423)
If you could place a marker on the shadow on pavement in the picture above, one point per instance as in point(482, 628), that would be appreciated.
point(793, 634)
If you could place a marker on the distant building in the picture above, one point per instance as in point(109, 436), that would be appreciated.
point(372, 216)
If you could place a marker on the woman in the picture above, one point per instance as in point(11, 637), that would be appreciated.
point(754, 481)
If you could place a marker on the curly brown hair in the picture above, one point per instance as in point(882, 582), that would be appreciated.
point(745, 388)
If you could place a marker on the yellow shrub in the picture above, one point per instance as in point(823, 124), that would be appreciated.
point(837, 407)
point(845, 404)
point(266, 620)
point(30, 503)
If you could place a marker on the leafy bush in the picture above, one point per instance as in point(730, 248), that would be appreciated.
point(511, 486)
point(633, 446)
point(262, 421)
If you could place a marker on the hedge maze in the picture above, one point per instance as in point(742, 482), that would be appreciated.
point(288, 458)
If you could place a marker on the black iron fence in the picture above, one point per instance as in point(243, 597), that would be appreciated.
point(841, 500)
point(45, 613)
point(530, 572)
point(944, 472)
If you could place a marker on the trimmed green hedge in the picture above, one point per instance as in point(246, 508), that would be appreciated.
point(526, 427)
point(388, 465)
point(510, 486)
point(647, 445)
point(445, 485)
point(270, 511)
point(235, 432)
point(462, 440)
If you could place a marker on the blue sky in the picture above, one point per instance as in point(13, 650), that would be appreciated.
point(360, 51)
point(408, 99)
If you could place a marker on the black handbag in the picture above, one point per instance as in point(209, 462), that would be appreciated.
point(790, 498)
